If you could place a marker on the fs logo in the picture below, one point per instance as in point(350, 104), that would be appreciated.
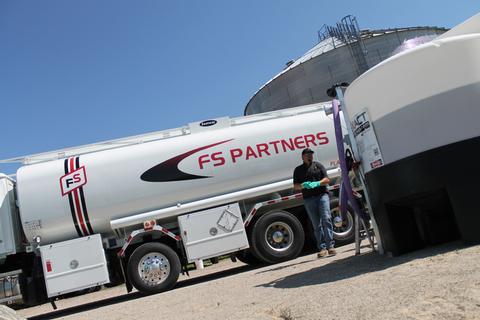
point(73, 180)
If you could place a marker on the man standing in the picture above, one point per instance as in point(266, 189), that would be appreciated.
point(311, 178)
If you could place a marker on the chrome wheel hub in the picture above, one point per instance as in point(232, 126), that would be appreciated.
point(279, 236)
point(337, 222)
point(341, 227)
point(153, 268)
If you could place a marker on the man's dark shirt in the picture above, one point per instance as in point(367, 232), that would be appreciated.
point(315, 172)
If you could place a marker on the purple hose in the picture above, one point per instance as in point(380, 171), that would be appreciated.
point(343, 202)
point(346, 188)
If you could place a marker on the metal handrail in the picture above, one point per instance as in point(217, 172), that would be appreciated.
point(154, 136)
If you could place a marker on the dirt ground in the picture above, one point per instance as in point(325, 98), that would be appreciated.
point(440, 282)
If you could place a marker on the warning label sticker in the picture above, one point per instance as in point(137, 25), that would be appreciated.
point(367, 142)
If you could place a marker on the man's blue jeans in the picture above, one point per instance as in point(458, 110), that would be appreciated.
point(318, 209)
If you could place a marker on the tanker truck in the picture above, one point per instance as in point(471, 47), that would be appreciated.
point(140, 209)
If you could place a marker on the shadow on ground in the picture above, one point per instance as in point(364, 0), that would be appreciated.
point(335, 270)
point(352, 266)
point(137, 295)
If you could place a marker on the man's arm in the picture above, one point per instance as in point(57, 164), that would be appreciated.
point(297, 184)
point(325, 181)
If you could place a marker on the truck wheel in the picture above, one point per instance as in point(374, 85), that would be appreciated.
point(247, 257)
point(277, 236)
point(153, 267)
point(343, 229)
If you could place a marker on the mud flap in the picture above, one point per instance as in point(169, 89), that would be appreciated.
point(123, 265)
point(183, 257)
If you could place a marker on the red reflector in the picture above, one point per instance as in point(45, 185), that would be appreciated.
point(49, 266)
point(148, 225)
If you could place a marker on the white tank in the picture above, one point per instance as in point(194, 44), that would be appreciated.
point(439, 108)
point(80, 195)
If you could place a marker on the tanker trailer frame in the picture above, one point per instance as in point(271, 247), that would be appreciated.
point(64, 242)
point(268, 232)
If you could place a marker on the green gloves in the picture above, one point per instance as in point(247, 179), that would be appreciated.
point(306, 185)
point(314, 184)
point(310, 184)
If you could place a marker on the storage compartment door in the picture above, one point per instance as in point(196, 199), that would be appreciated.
point(213, 232)
point(74, 265)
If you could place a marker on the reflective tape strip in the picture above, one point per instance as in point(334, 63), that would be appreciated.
point(170, 234)
point(278, 200)
point(135, 233)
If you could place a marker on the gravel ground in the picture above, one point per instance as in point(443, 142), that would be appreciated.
point(8, 314)
point(435, 283)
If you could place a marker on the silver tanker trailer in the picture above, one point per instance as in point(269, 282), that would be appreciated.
point(145, 206)
point(141, 208)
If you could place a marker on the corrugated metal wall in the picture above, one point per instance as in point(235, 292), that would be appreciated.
point(307, 82)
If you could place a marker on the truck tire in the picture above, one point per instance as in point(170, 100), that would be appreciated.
point(277, 236)
point(114, 269)
point(343, 229)
point(153, 267)
point(247, 257)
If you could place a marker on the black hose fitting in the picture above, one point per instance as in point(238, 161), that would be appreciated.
point(332, 92)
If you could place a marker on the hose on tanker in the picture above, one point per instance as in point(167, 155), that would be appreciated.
point(346, 191)
point(343, 198)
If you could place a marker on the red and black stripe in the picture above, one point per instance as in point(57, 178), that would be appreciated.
point(82, 199)
point(76, 199)
point(72, 207)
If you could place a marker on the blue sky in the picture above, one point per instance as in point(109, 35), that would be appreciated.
point(77, 72)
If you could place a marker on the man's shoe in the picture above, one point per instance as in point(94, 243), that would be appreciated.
point(322, 253)
point(332, 252)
